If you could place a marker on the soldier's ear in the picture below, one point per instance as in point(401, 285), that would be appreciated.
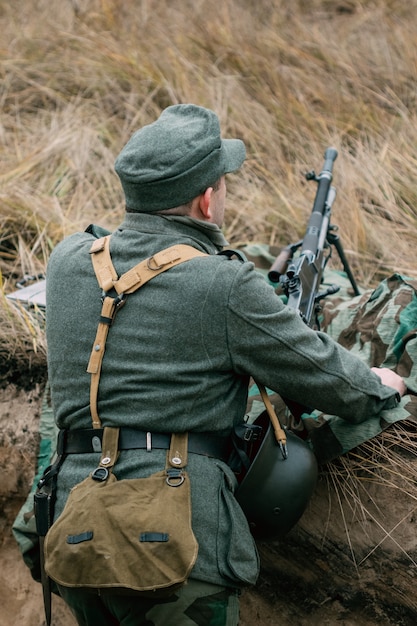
point(204, 203)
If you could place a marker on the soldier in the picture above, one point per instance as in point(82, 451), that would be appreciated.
point(180, 356)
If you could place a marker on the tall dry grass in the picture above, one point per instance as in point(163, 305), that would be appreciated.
point(289, 77)
point(373, 489)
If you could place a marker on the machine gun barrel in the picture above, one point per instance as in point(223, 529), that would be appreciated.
point(302, 278)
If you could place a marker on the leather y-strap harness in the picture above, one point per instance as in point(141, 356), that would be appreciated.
point(129, 282)
point(124, 285)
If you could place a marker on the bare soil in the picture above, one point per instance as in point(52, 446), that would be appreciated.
point(339, 566)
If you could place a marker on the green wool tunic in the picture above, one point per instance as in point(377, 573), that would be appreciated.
point(179, 357)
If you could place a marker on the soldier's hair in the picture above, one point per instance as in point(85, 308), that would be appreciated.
point(184, 209)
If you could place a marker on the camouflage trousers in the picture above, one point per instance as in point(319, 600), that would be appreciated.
point(195, 604)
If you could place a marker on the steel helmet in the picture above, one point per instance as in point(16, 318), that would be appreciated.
point(275, 490)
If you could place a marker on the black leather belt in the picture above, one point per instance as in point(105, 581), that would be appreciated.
point(85, 440)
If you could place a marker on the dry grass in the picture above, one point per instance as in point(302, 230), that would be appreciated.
point(22, 345)
point(289, 77)
point(375, 490)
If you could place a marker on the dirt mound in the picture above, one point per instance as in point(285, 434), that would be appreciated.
point(349, 561)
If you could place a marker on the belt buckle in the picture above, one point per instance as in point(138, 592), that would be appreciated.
point(148, 442)
point(96, 443)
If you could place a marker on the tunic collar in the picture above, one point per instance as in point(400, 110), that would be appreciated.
point(204, 232)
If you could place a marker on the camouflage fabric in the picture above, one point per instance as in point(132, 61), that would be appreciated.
point(379, 327)
point(195, 604)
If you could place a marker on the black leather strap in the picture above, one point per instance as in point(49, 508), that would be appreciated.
point(81, 441)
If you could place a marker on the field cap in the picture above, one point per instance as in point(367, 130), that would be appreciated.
point(171, 161)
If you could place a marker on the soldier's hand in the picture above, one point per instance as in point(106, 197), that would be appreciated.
point(391, 379)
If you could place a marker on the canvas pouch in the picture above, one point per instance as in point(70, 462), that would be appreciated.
point(130, 535)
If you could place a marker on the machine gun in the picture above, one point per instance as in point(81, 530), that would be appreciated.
point(301, 276)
